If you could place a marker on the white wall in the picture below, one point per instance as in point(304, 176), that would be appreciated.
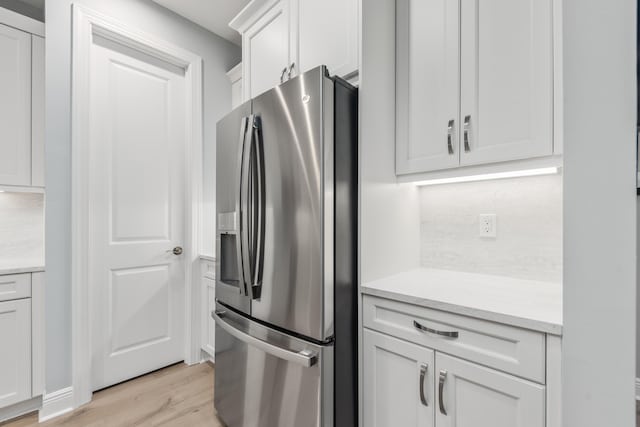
point(599, 44)
point(21, 229)
point(529, 227)
point(219, 56)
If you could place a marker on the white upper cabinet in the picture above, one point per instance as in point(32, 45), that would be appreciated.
point(507, 80)
point(427, 85)
point(266, 52)
point(281, 38)
point(15, 107)
point(470, 395)
point(398, 382)
point(475, 82)
point(37, 111)
point(327, 35)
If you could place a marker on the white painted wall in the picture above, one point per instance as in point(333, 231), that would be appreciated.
point(389, 212)
point(218, 55)
point(21, 229)
point(529, 224)
point(599, 44)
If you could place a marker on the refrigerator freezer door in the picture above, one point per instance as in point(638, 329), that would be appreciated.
point(267, 379)
point(232, 132)
point(296, 137)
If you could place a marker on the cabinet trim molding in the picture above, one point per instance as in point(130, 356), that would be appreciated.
point(250, 14)
point(21, 22)
point(56, 403)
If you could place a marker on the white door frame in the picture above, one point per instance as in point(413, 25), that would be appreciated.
point(86, 24)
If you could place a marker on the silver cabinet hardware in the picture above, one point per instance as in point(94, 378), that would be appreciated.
point(448, 334)
point(306, 358)
point(293, 64)
point(450, 136)
point(176, 251)
point(423, 374)
point(443, 378)
point(284, 71)
point(467, 130)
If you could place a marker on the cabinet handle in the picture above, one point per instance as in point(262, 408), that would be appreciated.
point(423, 374)
point(443, 378)
point(450, 136)
point(467, 130)
point(448, 334)
point(284, 71)
point(293, 64)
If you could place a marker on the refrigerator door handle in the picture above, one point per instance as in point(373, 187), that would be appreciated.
point(306, 358)
point(239, 203)
point(245, 231)
point(257, 210)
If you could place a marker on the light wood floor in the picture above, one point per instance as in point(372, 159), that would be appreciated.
point(179, 395)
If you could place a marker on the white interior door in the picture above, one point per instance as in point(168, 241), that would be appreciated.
point(137, 120)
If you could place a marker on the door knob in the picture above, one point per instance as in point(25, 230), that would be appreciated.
point(176, 251)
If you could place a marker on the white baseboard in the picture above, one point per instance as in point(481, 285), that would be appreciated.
point(637, 388)
point(57, 403)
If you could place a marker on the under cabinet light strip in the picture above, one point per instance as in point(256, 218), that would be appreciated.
point(490, 176)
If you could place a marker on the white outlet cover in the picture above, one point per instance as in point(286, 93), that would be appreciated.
point(487, 226)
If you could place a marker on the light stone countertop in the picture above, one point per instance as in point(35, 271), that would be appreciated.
point(523, 303)
point(208, 257)
point(21, 266)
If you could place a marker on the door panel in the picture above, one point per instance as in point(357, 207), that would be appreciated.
point(136, 213)
point(266, 46)
point(293, 290)
point(15, 356)
point(507, 79)
point(230, 133)
point(15, 106)
point(255, 388)
point(394, 373)
point(428, 84)
point(475, 396)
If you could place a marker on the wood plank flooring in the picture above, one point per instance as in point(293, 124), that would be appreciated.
point(179, 395)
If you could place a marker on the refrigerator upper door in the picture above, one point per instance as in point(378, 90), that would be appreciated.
point(295, 136)
point(232, 133)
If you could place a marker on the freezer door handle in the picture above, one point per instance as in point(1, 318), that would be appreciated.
point(306, 358)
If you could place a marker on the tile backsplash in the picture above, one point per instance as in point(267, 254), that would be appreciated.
point(529, 227)
point(21, 228)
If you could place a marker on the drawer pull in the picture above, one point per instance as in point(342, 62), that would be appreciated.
point(448, 334)
point(423, 374)
point(443, 378)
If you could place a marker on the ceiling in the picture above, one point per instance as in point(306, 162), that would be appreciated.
point(214, 15)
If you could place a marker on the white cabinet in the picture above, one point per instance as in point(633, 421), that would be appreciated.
point(475, 83)
point(15, 357)
point(470, 395)
point(281, 38)
point(235, 78)
point(426, 367)
point(21, 108)
point(15, 107)
point(208, 292)
point(327, 35)
point(398, 382)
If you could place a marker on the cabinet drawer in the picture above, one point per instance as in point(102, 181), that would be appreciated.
point(15, 286)
point(517, 351)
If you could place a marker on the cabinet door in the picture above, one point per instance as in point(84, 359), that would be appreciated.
point(266, 51)
point(15, 107)
point(427, 85)
point(475, 396)
point(327, 33)
point(210, 324)
point(37, 111)
point(507, 80)
point(15, 356)
point(398, 382)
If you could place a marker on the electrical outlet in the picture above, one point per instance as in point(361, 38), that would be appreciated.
point(488, 227)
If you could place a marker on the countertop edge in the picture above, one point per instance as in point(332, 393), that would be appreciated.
point(21, 270)
point(507, 319)
point(207, 257)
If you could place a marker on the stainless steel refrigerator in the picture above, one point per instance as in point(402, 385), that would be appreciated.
point(286, 310)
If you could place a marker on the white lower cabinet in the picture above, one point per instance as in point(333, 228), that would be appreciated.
point(208, 290)
point(424, 367)
point(398, 382)
point(470, 395)
point(15, 356)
